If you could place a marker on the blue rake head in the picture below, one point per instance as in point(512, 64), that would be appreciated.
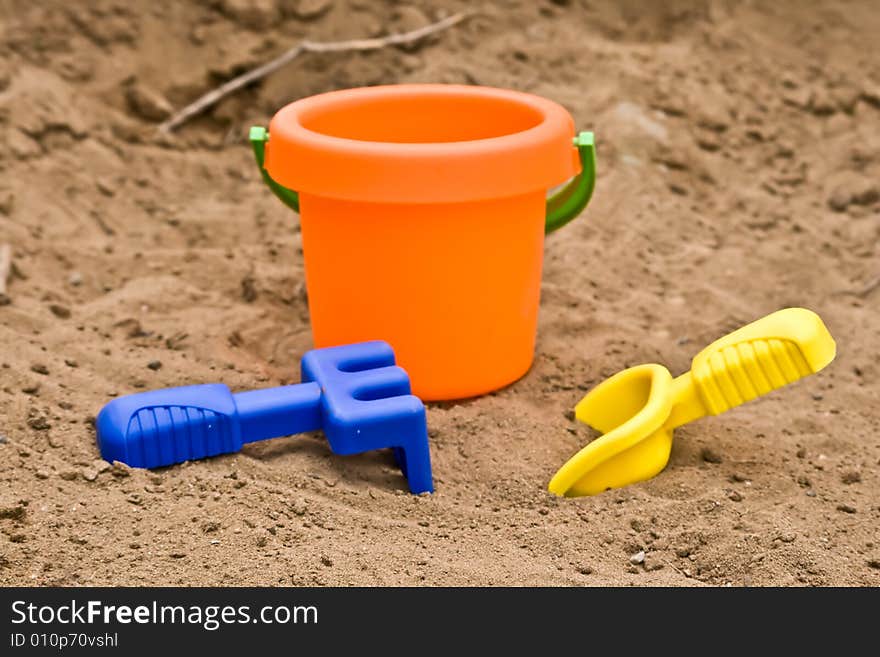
point(366, 404)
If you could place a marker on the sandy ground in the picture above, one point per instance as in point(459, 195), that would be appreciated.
point(739, 151)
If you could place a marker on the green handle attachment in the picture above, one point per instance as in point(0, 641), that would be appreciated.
point(562, 207)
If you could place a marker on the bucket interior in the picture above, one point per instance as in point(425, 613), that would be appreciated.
point(421, 118)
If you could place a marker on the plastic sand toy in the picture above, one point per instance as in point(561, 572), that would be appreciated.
point(423, 215)
point(638, 408)
point(354, 393)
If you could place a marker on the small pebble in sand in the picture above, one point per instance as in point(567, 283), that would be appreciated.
point(637, 558)
point(248, 289)
point(119, 469)
point(97, 467)
point(106, 187)
point(3, 439)
point(652, 565)
point(854, 189)
point(75, 279)
point(61, 312)
point(7, 202)
point(40, 423)
point(309, 9)
point(852, 477)
point(710, 456)
point(585, 570)
point(16, 512)
point(39, 368)
point(70, 362)
point(846, 508)
point(147, 103)
point(252, 14)
point(155, 365)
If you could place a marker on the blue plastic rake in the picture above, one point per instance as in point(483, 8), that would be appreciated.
point(354, 393)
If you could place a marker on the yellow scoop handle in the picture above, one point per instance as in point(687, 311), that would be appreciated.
point(756, 359)
point(638, 408)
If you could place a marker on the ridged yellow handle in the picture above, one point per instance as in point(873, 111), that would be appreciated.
point(759, 357)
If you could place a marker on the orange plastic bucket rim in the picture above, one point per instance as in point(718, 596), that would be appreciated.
point(421, 143)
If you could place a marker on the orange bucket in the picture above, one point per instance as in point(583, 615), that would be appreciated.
point(423, 212)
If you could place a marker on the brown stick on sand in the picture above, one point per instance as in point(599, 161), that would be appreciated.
point(866, 290)
point(212, 97)
point(5, 270)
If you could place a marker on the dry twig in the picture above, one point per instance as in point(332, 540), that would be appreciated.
point(868, 288)
point(212, 97)
point(864, 291)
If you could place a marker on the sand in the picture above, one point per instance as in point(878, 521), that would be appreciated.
point(739, 155)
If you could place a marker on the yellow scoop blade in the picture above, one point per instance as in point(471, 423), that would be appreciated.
point(630, 408)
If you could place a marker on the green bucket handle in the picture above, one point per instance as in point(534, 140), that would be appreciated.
point(258, 137)
point(562, 207)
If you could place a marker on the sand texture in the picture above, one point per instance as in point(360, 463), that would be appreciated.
point(739, 172)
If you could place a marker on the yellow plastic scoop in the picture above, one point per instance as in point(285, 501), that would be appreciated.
point(638, 408)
